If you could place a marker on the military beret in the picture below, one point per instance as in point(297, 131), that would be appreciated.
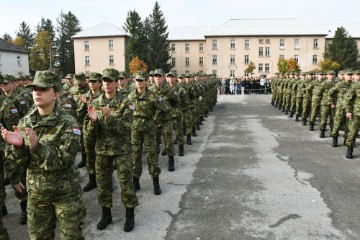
point(111, 73)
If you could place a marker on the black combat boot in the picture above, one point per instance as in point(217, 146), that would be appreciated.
point(272, 103)
point(286, 112)
point(304, 121)
point(163, 153)
point(188, 139)
point(171, 166)
point(136, 182)
point(91, 184)
point(322, 133)
point(175, 141)
point(198, 126)
point(106, 218)
point(194, 132)
point(130, 220)
point(157, 189)
point(4, 210)
point(279, 106)
point(82, 163)
point(311, 126)
point(296, 118)
point(181, 150)
point(283, 109)
point(23, 216)
point(335, 142)
point(202, 118)
point(349, 152)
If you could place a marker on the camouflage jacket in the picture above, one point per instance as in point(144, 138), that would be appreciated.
point(337, 93)
point(352, 99)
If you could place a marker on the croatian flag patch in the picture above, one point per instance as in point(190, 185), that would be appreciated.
point(77, 131)
point(14, 110)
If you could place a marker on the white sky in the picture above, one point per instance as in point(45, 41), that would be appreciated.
point(177, 12)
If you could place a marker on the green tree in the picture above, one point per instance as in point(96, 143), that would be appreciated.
point(47, 25)
point(25, 33)
point(283, 66)
point(40, 52)
point(7, 37)
point(67, 26)
point(343, 50)
point(250, 68)
point(18, 41)
point(327, 64)
point(159, 46)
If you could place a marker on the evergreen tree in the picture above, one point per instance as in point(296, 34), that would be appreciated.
point(67, 26)
point(7, 37)
point(25, 33)
point(158, 47)
point(47, 25)
point(137, 45)
point(343, 50)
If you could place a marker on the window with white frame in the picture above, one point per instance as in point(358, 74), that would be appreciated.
point(214, 44)
point(87, 60)
point(282, 43)
point(316, 43)
point(261, 51)
point(187, 47)
point(261, 41)
point(267, 51)
point(246, 74)
point(201, 61)
point(201, 71)
point(232, 59)
point(111, 60)
point(111, 44)
point(297, 43)
point(296, 57)
point(261, 67)
point(201, 47)
point(315, 59)
point(86, 45)
point(187, 72)
point(187, 61)
point(281, 56)
point(232, 73)
point(18, 59)
point(173, 61)
point(214, 59)
point(267, 41)
point(173, 47)
point(247, 43)
point(232, 44)
point(267, 67)
point(246, 59)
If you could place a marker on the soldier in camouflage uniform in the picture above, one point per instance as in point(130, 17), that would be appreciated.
point(111, 117)
point(124, 87)
point(299, 96)
point(307, 93)
point(164, 119)
point(69, 82)
point(317, 90)
point(143, 129)
point(47, 141)
point(294, 89)
point(326, 110)
point(187, 108)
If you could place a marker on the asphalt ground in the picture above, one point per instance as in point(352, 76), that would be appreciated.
point(251, 173)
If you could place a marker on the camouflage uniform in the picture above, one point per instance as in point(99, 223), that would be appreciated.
point(317, 92)
point(326, 110)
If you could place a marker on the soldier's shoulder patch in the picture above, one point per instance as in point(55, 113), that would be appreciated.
point(76, 131)
point(14, 110)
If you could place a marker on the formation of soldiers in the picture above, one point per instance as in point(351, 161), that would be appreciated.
point(118, 116)
point(323, 96)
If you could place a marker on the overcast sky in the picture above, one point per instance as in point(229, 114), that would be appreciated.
point(176, 12)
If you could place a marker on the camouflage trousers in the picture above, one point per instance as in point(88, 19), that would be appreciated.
point(13, 176)
point(148, 138)
point(188, 120)
point(293, 102)
point(166, 130)
point(287, 102)
point(354, 125)
point(326, 112)
point(179, 128)
point(104, 167)
point(3, 231)
point(306, 107)
point(315, 110)
point(279, 99)
point(89, 146)
point(298, 110)
point(339, 121)
point(43, 211)
point(273, 97)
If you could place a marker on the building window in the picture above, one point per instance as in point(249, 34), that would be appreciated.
point(201, 47)
point(281, 56)
point(282, 43)
point(267, 67)
point(201, 61)
point(246, 59)
point(214, 72)
point(18, 59)
point(187, 47)
point(267, 41)
point(260, 67)
point(111, 60)
point(214, 59)
point(201, 71)
point(316, 43)
point(296, 58)
point(297, 44)
point(214, 44)
point(87, 60)
point(173, 47)
point(246, 74)
point(173, 61)
point(247, 43)
point(261, 51)
point(314, 60)
point(187, 72)
point(232, 44)
point(111, 44)
point(232, 59)
point(232, 73)
point(261, 41)
point(86, 45)
point(267, 51)
point(187, 61)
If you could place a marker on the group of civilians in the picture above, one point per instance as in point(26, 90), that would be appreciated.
point(244, 85)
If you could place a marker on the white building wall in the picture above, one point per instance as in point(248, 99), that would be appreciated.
point(9, 63)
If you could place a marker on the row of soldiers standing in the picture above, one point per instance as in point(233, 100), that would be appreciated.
point(118, 115)
point(312, 95)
